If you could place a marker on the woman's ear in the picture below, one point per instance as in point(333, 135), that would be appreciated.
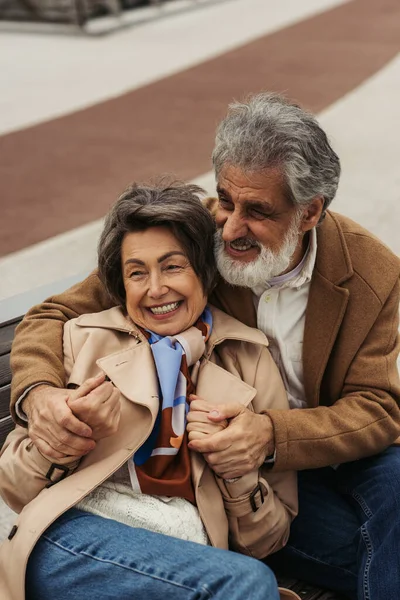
point(312, 214)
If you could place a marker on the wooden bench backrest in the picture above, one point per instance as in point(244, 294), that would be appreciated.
point(7, 330)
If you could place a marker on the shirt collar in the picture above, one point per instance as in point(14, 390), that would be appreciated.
point(298, 276)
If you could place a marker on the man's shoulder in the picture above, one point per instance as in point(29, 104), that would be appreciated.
point(367, 256)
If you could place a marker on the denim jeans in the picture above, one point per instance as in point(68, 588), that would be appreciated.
point(347, 534)
point(86, 557)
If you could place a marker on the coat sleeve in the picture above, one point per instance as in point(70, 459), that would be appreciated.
point(37, 351)
point(261, 505)
point(364, 420)
point(24, 471)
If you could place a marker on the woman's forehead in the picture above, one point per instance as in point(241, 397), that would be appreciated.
point(156, 241)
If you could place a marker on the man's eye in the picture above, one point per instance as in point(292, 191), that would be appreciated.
point(224, 203)
point(259, 214)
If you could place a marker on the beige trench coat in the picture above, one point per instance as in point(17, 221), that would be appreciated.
point(350, 349)
point(236, 367)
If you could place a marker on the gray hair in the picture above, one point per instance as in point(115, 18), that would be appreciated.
point(168, 203)
point(269, 131)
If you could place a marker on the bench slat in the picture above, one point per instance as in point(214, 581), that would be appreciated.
point(6, 425)
point(7, 335)
point(5, 401)
point(5, 372)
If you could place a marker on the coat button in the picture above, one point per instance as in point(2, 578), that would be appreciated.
point(12, 532)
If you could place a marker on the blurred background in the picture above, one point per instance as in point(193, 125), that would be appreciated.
point(97, 93)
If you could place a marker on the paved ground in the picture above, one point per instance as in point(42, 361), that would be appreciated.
point(80, 117)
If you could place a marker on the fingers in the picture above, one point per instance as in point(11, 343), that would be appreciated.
point(59, 444)
point(213, 443)
point(216, 413)
point(66, 420)
point(240, 448)
point(207, 428)
point(226, 411)
point(53, 427)
point(196, 435)
point(87, 386)
point(95, 399)
point(100, 409)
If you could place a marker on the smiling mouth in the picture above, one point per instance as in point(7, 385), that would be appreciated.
point(165, 308)
point(242, 245)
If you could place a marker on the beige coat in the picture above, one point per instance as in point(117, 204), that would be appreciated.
point(236, 367)
point(349, 354)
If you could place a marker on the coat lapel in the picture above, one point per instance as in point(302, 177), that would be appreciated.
point(218, 386)
point(132, 371)
point(325, 311)
point(326, 305)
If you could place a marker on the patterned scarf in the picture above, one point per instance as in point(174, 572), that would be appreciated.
point(161, 466)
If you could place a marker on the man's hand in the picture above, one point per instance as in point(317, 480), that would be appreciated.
point(199, 425)
point(52, 426)
point(242, 446)
point(100, 409)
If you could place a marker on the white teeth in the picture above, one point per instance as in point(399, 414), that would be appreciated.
point(162, 310)
point(241, 246)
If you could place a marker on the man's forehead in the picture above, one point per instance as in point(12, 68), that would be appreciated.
point(262, 187)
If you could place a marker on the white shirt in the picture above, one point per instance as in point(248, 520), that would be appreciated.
point(281, 309)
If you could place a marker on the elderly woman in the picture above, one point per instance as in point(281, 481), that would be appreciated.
point(140, 515)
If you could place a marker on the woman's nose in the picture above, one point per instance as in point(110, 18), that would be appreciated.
point(157, 286)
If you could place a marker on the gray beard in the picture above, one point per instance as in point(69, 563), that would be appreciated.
point(267, 265)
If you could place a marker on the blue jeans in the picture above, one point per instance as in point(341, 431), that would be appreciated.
point(347, 534)
point(86, 557)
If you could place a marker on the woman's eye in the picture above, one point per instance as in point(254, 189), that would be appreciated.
point(136, 274)
point(173, 267)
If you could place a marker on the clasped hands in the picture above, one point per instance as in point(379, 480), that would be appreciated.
point(233, 439)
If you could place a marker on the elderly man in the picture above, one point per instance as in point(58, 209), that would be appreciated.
point(326, 293)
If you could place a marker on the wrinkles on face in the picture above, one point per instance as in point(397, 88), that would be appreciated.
point(259, 234)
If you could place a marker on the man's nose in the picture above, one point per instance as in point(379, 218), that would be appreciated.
point(234, 227)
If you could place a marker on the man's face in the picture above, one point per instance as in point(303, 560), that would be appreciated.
point(259, 231)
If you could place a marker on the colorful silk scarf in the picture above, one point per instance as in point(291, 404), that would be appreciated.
point(162, 466)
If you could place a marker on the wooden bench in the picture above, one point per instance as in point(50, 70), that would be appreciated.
point(68, 12)
point(7, 329)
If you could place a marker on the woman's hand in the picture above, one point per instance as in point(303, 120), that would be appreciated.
point(199, 425)
point(100, 409)
point(242, 446)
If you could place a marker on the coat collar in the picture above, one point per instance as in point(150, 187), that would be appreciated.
point(225, 327)
point(333, 260)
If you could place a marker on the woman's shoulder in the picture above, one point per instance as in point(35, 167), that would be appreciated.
point(112, 318)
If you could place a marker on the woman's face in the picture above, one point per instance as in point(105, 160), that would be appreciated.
point(163, 293)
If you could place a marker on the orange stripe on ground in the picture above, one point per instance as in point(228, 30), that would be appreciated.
point(66, 172)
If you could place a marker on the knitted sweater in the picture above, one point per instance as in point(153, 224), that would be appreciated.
point(115, 499)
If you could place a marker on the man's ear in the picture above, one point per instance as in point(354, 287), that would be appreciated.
point(312, 214)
